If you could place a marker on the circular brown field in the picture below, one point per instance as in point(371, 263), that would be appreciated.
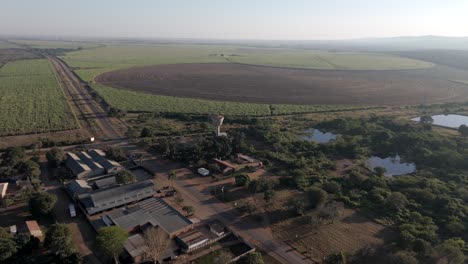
point(244, 83)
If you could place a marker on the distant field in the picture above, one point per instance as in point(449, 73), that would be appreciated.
point(31, 100)
point(7, 55)
point(453, 58)
point(323, 60)
point(7, 45)
point(143, 102)
point(89, 63)
point(48, 44)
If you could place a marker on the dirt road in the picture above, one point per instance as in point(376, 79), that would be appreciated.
point(209, 207)
point(90, 113)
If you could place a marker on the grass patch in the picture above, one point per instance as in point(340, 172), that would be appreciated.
point(142, 102)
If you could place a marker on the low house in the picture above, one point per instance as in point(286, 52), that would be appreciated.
point(78, 187)
point(226, 167)
point(191, 240)
point(136, 247)
point(32, 227)
point(241, 158)
point(3, 189)
point(105, 183)
point(203, 172)
point(244, 159)
point(102, 200)
point(202, 235)
point(217, 228)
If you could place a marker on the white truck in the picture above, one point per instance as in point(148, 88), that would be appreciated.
point(71, 208)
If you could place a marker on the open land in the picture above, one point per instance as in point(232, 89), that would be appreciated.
point(31, 99)
point(244, 83)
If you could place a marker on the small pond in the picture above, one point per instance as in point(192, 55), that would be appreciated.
point(318, 136)
point(451, 121)
point(393, 165)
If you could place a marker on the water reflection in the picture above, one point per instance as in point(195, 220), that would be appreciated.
point(318, 136)
point(392, 165)
point(451, 121)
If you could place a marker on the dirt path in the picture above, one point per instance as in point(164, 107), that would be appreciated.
point(91, 115)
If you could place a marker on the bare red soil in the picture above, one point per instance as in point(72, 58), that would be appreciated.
point(235, 82)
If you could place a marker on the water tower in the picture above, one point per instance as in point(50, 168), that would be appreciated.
point(217, 121)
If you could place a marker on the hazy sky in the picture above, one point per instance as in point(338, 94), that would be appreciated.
point(235, 19)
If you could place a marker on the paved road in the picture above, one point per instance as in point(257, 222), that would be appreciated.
point(88, 110)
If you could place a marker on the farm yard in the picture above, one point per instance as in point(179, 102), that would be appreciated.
point(31, 100)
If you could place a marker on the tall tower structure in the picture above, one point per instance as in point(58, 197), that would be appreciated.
point(217, 121)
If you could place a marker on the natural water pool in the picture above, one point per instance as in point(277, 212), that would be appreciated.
point(451, 121)
point(393, 165)
point(318, 136)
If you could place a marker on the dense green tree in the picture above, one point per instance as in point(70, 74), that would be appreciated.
point(59, 241)
point(55, 156)
point(42, 203)
point(146, 132)
point(396, 201)
point(110, 241)
point(463, 129)
point(125, 177)
point(332, 187)
point(450, 251)
point(337, 258)
point(30, 169)
point(268, 195)
point(242, 179)
point(7, 245)
point(116, 153)
point(317, 197)
point(12, 156)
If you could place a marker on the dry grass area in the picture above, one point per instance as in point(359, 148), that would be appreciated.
point(349, 234)
point(59, 136)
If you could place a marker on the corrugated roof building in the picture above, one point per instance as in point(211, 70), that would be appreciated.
point(78, 167)
point(109, 165)
point(101, 200)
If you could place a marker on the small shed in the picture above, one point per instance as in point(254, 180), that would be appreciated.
point(203, 172)
point(33, 228)
point(3, 189)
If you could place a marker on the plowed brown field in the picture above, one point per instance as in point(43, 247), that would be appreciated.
point(259, 84)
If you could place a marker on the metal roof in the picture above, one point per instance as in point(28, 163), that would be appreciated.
point(129, 218)
point(78, 186)
point(106, 182)
point(165, 216)
point(101, 200)
point(75, 164)
point(135, 245)
point(86, 158)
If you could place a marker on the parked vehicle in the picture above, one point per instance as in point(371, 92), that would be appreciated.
point(71, 208)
